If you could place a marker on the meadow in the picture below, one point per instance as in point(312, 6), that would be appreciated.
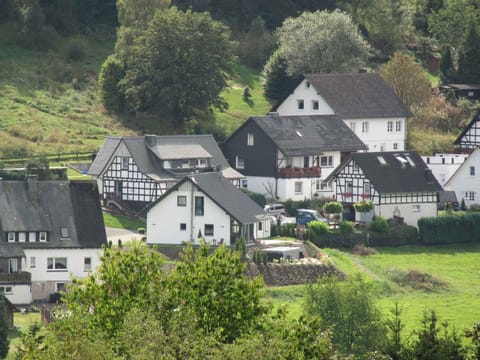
point(449, 282)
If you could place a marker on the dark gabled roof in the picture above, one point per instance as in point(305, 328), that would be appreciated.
point(397, 174)
point(358, 95)
point(48, 206)
point(231, 199)
point(309, 135)
point(144, 150)
point(467, 128)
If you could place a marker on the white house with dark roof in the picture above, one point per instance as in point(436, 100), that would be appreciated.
point(134, 171)
point(205, 206)
point(466, 180)
point(49, 232)
point(398, 183)
point(364, 101)
point(289, 157)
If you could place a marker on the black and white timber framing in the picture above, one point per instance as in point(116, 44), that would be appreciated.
point(469, 138)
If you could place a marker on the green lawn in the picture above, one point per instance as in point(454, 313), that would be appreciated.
point(120, 221)
point(457, 266)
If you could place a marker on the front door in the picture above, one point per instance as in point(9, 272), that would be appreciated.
point(118, 190)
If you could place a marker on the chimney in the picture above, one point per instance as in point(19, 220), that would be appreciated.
point(150, 140)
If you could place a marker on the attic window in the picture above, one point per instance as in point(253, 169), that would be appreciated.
point(381, 160)
point(315, 105)
point(401, 160)
point(307, 84)
point(299, 134)
point(300, 104)
point(410, 161)
point(11, 236)
point(64, 233)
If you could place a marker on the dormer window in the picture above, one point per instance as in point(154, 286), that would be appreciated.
point(22, 235)
point(32, 236)
point(11, 236)
point(201, 163)
point(381, 160)
point(43, 236)
point(64, 233)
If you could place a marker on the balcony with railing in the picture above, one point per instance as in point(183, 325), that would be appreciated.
point(16, 278)
point(298, 172)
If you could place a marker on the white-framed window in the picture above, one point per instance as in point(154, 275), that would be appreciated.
point(349, 187)
point(32, 236)
point(11, 236)
point(22, 236)
point(43, 236)
point(87, 264)
point(125, 162)
point(326, 161)
point(199, 205)
point(239, 162)
point(364, 127)
point(389, 126)
point(472, 170)
point(64, 233)
point(183, 226)
point(57, 264)
point(322, 185)
point(7, 290)
point(315, 105)
point(470, 195)
point(201, 163)
point(398, 125)
point(33, 261)
point(181, 200)
point(244, 183)
point(60, 286)
point(300, 104)
point(395, 146)
point(13, 265)
point(298, 187)
point(367, 188)
point(260, 226)
point(415, 208)
point(209, 230)
point(250, 139)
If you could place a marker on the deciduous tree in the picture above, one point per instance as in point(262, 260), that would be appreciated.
point(322, 42)
point(469, 55)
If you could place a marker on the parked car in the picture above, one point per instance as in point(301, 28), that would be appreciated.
point(275, 209)
point(304, 216)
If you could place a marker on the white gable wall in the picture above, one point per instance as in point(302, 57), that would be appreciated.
point(44, 280)
point(465, 185)
point(164, 219)
point(411, 213)
point(20, 295)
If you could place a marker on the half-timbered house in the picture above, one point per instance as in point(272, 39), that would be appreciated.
point(364, 101)
point(49, 232)
point(134, 171)
point(469, 138)
point(289, 157)
point(398, 183)
point(205, 206)
point(466, 180)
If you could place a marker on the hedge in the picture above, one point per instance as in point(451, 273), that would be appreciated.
point(450, 229)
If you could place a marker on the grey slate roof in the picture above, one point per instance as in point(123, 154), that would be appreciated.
point(231, 199)
point(50, 205)
point(309, 135)
point(358, 95)
point(144, 151)
point(395, 176)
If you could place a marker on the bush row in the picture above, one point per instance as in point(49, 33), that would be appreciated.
point(450, 229)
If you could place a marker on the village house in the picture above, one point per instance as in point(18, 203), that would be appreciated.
point(289, 157)
point(49, 232)
point(134, 171)
point(205, 206)
point(465, 182)
point(364, 101)
point(443, 166)
point(398, 183)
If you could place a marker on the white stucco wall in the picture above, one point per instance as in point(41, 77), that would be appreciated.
point(443, 166)
point(265, 228)
point(407, 211)
point(164, 219)
point(463, 182)
point(21, 294)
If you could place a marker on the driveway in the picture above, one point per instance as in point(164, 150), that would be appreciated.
point(115, 234)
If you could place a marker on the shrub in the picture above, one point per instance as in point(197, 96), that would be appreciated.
point(288, 230)
point(379, 225)
point(363, 206)
point(333, 207)
point(346, 227)
point(76, 50)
